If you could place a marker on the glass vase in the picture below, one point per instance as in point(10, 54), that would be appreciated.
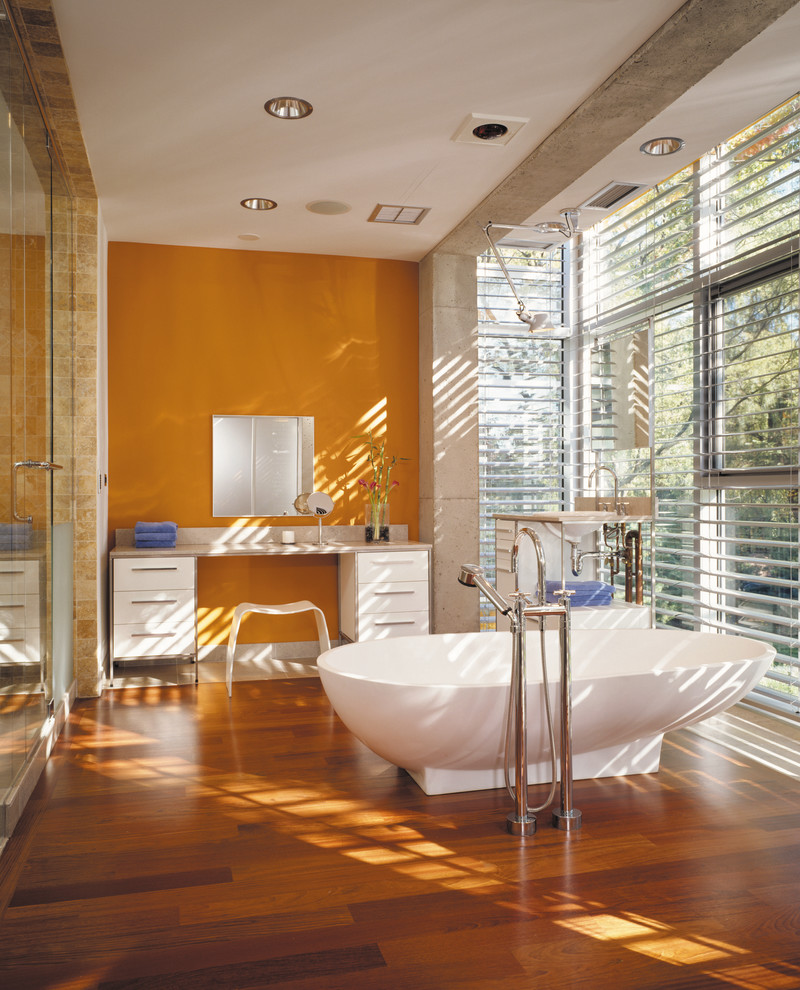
point(376, 522)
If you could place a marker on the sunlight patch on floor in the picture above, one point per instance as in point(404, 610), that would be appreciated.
point(772, 748)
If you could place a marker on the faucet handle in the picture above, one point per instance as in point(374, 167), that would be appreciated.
point(523, 596)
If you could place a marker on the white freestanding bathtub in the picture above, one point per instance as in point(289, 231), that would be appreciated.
point(436, 705)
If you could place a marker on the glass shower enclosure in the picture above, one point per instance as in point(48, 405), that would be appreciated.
point(36, 434)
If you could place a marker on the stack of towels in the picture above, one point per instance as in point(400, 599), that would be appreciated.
point(16, 536)
point(156, 534)
point(586, 592)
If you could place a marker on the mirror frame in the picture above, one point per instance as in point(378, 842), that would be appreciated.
point(242, 476)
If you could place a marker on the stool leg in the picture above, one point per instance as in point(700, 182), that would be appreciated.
point(237, 618)
point(322, 631)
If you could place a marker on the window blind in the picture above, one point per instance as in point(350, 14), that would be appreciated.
point(710, 257)
point(520, 394)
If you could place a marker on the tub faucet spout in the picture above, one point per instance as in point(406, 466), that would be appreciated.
point(472, 576)
point(541, 564)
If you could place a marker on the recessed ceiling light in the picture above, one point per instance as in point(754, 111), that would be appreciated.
point(248, 237)
point(328, 207)
point(490, 132)
point(662, 146)
point(288, 107)
point(256, 203)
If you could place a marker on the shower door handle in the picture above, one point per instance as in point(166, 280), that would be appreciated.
point(38, 465)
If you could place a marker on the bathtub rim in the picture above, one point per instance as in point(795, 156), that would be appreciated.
point(760, 651)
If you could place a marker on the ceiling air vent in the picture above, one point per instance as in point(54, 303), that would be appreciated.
point(614, 194)
point(398, 214)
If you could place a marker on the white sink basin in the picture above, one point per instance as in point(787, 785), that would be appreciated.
point(574, 525)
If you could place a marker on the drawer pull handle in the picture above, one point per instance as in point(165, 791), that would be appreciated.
point(401, 591)
point(154, 601)
point(159, 635)
point(12, 605)
point(397, 622)
point(19, 639)
point(18, 570)
point(173, 568)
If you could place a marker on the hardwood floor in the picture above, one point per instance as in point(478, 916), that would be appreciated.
point(178, 840)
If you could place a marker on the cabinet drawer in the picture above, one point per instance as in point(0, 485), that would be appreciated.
point(146, 606)
point(505, 531)
point(18, 612)
point(19, 646)
point(19, 577)
point(399, 596)
point(396, 565)
point(502, 559)
point(379, 625)
point(140, 573)
point(151, 640)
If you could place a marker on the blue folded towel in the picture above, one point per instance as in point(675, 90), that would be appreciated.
point(155, 543)
point(14, 529)
point(598, 601)
point(586, 592)
point(169, 528)
point(16, 536)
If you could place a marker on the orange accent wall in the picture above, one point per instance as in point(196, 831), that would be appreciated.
point(199, 331)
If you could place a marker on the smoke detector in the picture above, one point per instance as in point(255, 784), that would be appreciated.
point(480, 128)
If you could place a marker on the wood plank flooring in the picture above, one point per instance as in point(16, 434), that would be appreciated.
point(179, 840)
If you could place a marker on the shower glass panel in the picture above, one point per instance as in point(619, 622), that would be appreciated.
point(36, 444)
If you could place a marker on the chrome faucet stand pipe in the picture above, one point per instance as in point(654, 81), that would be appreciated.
point(568, 818)
point(520, 821)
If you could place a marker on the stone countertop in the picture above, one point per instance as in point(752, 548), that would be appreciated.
point(226, 541)
point(256, 549)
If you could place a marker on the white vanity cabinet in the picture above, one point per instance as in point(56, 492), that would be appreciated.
point(383, 594)
point(153, 608)
point(505, 532)
point(20, 611)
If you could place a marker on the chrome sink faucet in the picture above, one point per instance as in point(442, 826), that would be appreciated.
point(619, 507)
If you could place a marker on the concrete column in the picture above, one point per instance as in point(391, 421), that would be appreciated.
point(448, 388)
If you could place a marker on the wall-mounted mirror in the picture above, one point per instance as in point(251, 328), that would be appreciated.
point(621, 390)
point(261, 464)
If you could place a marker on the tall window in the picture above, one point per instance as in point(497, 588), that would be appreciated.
point(520, 394)
point(710, 259)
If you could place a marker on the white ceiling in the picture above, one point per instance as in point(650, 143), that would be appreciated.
point(170, 97)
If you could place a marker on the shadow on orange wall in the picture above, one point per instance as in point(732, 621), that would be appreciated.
point(196, 331)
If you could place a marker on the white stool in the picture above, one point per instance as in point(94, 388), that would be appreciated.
point(290, 607)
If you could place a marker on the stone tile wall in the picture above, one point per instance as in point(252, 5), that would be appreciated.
point(76, 354)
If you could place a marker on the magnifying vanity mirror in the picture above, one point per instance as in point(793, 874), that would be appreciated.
point(317, 504)
point(261, 464)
